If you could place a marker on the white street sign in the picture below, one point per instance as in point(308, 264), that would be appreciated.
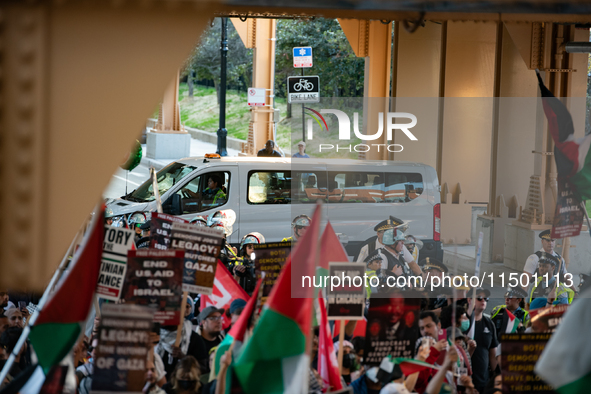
point(302, 57)
point(256, 97)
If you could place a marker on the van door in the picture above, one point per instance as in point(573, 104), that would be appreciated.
point(361, 197)
point(266, 201)
point(213, 189)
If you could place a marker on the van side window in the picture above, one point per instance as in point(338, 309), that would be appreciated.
point(403, 187)
point(309, 186)
point(266, 187)
point(201, 194)
point(355, 187)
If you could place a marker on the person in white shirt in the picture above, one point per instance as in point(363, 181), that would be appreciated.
point(375, 244)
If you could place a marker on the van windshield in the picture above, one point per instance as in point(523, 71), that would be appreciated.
point(166, 177)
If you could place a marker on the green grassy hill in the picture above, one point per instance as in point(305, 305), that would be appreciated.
point(202, 112)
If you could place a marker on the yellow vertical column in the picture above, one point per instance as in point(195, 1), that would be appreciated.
point(467, 124)
point(418, 75)
point(373, 40)
point(259, 34)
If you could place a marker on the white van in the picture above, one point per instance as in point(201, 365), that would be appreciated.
point(267, 193)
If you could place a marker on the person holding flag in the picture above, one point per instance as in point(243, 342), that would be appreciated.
point(510, 317)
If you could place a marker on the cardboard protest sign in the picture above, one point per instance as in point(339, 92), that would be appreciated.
point(568, 216)
point(161, 228)
point(346, 300)
point(392, 327)
point(202, 246)
point(519, 355)
point(547, 319)
point(154, 278)
point(122, 351)
point(116, 243)
point(270, 259)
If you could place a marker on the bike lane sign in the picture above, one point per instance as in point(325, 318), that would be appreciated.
point(302, 57)
point(304, 89)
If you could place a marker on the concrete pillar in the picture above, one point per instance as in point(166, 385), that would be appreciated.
point(373, 40)
point(78, 81)
point(415, 89)
point(168, 139)
point(259, 34)
point(466, 125)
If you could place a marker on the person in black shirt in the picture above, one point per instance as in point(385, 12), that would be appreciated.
point(209, 334)
point(268, 150)
point(485, 336)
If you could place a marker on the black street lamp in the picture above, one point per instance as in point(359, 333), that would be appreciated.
point(222, 132)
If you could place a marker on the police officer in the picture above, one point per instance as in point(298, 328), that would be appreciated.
point(374, 244)
point(548, 244)
point(244, 266)
point(373, 265)
point(109, 216)
point(224, 220)
point(413, 245)
point(394, 250)
point(144, 241)
point(514, 303)
point(546, 286)
point(299, 226)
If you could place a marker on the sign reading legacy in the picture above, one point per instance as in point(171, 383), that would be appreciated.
point(122, 350)
point(202, 247)
point(303, 89)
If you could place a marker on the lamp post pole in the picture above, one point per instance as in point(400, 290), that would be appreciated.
point(222, 133)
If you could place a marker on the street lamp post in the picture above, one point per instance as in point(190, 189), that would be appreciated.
point(222, 132)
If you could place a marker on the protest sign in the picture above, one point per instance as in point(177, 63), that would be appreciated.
point(392, 327)
point(161, 228)
point(547, 319)
point(116, 243)
point(202, 246)
point(519, 355)
point(346, 300)
point(568, 216)
point(270, 259)
point(154, 278)
point(122, 351)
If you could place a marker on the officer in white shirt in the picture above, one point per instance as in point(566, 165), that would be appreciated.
point(532, 262)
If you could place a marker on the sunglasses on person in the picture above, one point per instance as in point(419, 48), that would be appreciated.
point(482, 299)
point(214, 318)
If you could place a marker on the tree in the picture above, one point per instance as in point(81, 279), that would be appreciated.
point(341, 72)
point(205, 59)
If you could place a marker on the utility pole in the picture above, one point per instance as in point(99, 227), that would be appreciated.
point(222, 132)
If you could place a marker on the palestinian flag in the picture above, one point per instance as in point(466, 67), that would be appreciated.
point(565, 362)
point(573, 161)
point(59, 321)
point(225, 290)
point(274, 359)
point(510, 322)
point(237, 332)
point(328, 366)
point(410, 366)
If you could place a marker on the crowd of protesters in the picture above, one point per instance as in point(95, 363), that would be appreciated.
point(455, 335)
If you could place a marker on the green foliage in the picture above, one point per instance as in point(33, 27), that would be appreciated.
point(206, 58)
point(341, 72)
point(202, 112)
